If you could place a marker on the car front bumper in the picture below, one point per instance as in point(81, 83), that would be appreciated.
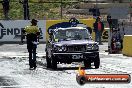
point(75, 57)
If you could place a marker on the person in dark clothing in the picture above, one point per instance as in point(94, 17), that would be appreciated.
point(32, 33)
point(26, 9)
point(116, 41)
point(98, 29)
point(5, 4)
point(109, 20)
point(95, 11)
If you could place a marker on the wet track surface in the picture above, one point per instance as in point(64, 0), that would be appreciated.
point(7, 81)
point(15, 73)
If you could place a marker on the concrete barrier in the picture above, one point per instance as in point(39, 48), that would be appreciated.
point(127, 45)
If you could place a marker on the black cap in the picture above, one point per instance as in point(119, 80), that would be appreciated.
point(34, 20)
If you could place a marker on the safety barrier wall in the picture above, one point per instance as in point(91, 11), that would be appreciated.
point(127, 45)
point(10, 30)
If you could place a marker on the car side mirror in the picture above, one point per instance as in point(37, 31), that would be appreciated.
point(50, 31)
point(49, 40)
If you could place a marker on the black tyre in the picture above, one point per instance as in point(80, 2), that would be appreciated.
point(87, 63)
point(48, 60)
point(97, 62)
point(53, 63)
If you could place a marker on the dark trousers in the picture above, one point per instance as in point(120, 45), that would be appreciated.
point(98, 35)
point(32, 55)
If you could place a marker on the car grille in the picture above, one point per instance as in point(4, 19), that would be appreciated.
point(76, 48)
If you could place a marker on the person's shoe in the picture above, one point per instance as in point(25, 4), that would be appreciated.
point(35, 67)
point(31, 68)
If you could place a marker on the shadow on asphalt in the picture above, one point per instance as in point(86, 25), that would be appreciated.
point(65, 68)
point(7, 81)
point(1, 44)
point(61, 68)
point(69, 68)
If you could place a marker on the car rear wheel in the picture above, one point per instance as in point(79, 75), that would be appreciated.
point(48, 60)
point(97, 62)
point(87, 64)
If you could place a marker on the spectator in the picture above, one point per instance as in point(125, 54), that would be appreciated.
point(109, 20)
point(95, 11)
point(98, 29)
point(26, 9)
point(5, 4)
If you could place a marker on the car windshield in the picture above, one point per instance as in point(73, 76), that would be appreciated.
point(71, 34)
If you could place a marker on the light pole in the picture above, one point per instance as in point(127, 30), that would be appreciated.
point(130, 10)
point(61, 10)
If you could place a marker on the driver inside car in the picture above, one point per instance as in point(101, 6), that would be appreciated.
point(77, 36)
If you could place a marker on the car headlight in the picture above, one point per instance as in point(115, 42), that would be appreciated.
point(60, 48)
point(92, 47)
point(96, 46)
point(89, 46)
point(64, 48)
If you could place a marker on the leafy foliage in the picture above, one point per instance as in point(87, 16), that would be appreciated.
point(38, 9)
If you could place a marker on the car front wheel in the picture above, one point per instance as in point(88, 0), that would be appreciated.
point(87, 63)
point(48, 60)
point(97, 62)
point(53, 62)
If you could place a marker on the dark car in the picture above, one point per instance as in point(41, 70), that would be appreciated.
point(73, 44)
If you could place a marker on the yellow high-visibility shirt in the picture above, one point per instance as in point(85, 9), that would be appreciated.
point(31, 29)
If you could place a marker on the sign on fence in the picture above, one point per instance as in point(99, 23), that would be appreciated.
point(10, 31)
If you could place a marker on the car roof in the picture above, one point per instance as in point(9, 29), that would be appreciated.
point(71, 28)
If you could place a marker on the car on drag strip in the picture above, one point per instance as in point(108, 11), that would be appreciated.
point(72, 44)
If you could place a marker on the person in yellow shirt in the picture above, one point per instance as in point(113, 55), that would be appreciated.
point(32, 33)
